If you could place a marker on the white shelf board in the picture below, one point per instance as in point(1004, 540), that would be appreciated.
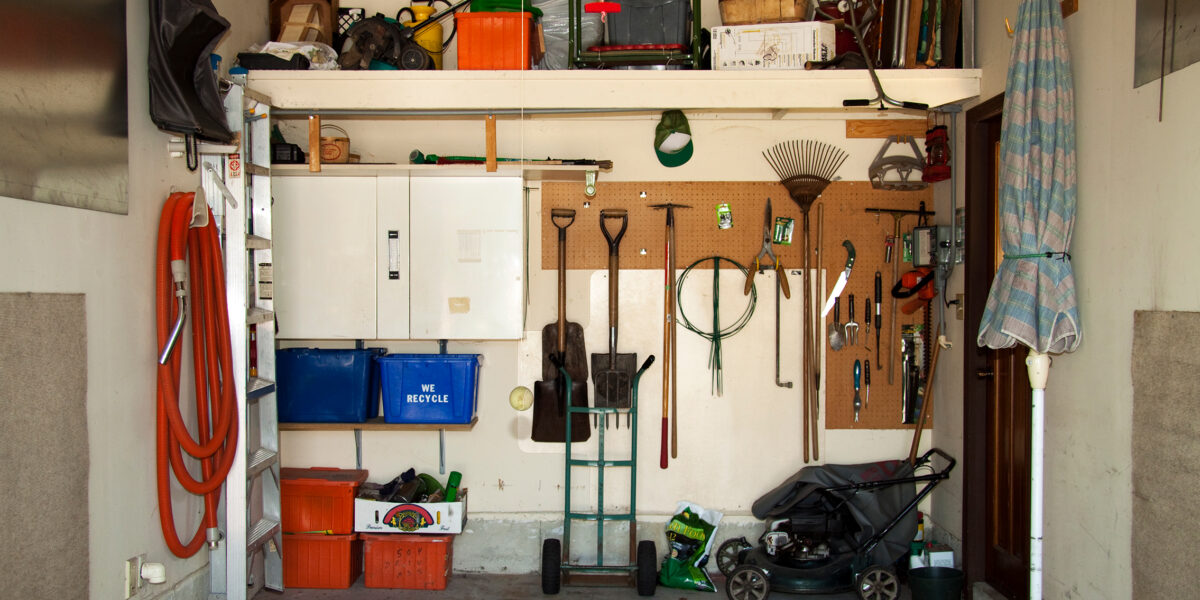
point(529, 172)
point(607, 89)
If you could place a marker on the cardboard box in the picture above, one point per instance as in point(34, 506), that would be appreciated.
point(771, 46)
point(939, 555)
point(372, 516)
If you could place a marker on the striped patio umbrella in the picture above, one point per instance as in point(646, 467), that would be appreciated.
point(1032, 299)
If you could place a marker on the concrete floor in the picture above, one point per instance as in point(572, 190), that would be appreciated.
point(463, 586)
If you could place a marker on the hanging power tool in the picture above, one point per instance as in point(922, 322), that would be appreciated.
point(384, 40)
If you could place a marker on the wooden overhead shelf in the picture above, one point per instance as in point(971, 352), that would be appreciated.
point(377, 424)
point(599, 90)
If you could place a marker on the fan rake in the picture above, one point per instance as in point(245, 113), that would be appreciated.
point(806, 168)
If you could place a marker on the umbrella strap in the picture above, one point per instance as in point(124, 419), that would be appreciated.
point(1060, 255)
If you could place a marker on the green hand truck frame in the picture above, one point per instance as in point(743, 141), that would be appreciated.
point(579, 57)
point(556, 568)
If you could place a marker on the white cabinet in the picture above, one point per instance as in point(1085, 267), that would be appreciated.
point(394, 257)
point(468, 258)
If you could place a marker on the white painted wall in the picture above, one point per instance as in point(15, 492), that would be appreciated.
point(1133, 242)
point(110, 258)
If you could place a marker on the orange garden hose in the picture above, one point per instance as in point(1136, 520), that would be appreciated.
point(216, 401)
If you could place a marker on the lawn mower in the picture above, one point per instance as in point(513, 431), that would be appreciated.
point(833, 528)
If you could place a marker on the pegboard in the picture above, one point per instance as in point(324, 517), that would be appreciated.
point(697, 236)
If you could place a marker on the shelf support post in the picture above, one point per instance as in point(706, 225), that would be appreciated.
point(490, 132)
point(314, 143)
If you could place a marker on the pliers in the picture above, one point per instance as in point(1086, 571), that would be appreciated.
point(766, 252)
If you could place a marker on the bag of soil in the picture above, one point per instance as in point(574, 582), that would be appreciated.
point(690, 535)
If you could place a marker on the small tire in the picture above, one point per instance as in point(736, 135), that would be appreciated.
point(647, 568)
point(551, 566)
point(878, 583)
point(727, 554)
point(748, 582)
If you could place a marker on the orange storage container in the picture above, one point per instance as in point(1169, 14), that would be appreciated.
point(407, 561)
point(321, 561)
point(494, 40)
point(319, 500)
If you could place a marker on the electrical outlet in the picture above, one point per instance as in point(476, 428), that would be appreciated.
point(133, 575)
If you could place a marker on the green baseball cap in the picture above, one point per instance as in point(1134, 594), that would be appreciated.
point(673, 139)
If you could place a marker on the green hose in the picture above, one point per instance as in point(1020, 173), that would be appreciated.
point(717, 334)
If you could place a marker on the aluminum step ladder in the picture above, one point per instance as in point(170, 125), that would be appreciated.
point(249, 556)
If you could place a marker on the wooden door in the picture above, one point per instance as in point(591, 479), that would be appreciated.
point(996, 391)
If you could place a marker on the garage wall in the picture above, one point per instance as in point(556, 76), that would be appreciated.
point(1133, 240)
point(109, 258)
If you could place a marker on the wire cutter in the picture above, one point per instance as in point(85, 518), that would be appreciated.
point(766, 252)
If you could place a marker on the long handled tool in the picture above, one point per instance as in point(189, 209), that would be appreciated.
point(806, 168)
point(670, 404)
point(613, 372)
point(562, 342)
point(926, 403)
point(781, 282)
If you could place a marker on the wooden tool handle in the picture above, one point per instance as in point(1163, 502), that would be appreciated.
point(750, 280)
point(781, 275)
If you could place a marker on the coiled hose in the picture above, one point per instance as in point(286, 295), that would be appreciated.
point(186, 252)
point(715, 360)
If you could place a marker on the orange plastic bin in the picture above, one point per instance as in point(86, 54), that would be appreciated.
point(407, 561)
point(321, 561)
point(494, 40)
point(319, 500)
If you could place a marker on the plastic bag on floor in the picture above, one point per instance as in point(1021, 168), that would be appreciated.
point(690, 535)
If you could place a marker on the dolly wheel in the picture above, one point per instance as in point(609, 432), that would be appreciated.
point(647, 568)
point(551, 566)
point(727, 554)
point(748, 582)
point(878, 583)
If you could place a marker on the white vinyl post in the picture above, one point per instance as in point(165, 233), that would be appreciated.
point(1038, 365)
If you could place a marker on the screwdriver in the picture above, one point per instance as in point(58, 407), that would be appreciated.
point(867, 382)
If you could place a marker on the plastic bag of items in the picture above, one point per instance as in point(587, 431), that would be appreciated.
point(312, 56)
point(690, 535)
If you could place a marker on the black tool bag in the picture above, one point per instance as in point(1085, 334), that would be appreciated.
point(184, 97)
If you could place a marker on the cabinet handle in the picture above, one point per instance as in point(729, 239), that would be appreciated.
point(393, 254)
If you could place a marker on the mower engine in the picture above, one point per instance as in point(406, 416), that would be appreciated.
point(802, 537)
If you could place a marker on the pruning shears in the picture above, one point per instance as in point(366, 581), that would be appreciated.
point(766, 252)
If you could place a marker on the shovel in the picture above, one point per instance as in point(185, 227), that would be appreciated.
point(562, 344)
point(613, 372)
point(836, 339)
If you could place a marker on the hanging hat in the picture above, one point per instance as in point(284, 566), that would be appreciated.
point(673, 139)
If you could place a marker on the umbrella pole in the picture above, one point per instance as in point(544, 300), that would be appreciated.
point(1038, 365)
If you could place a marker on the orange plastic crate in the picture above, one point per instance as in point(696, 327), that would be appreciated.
point(407, 561)
point(319, 500)
point(321, 561)
point(494, 40)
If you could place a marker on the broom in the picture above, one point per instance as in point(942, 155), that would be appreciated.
point(806, 167)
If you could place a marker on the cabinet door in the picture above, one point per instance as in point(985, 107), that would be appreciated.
point(325, 256)
point(468, 258)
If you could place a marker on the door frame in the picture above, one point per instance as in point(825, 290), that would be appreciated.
point(979, 177)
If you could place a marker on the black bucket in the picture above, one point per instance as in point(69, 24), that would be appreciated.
point(936, 583)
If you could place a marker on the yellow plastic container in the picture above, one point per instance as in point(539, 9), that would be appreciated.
point(429, 38)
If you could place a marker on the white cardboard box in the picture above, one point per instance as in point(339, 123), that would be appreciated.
point(771, 45)
point(372, 516)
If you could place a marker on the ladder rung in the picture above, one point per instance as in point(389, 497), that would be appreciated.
point(254, 169)
point(257, 388)
point(263, 530)
point(257, 316)
point(255, 242)
point(260, 461)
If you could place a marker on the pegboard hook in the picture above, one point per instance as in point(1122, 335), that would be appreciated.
point(589, 184)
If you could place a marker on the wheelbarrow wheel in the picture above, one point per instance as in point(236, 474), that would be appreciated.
point(748, 582)
point(878, 583)
point(551, 566)
point(727, 554)
point(647, 568)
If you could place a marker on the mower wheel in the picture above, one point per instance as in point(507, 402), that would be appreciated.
point(748, 582)
point(878, 583)
point(647, 568)
point(727, 554)
point(551, 566)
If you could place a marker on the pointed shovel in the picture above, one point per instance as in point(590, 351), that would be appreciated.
point(613, 372)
